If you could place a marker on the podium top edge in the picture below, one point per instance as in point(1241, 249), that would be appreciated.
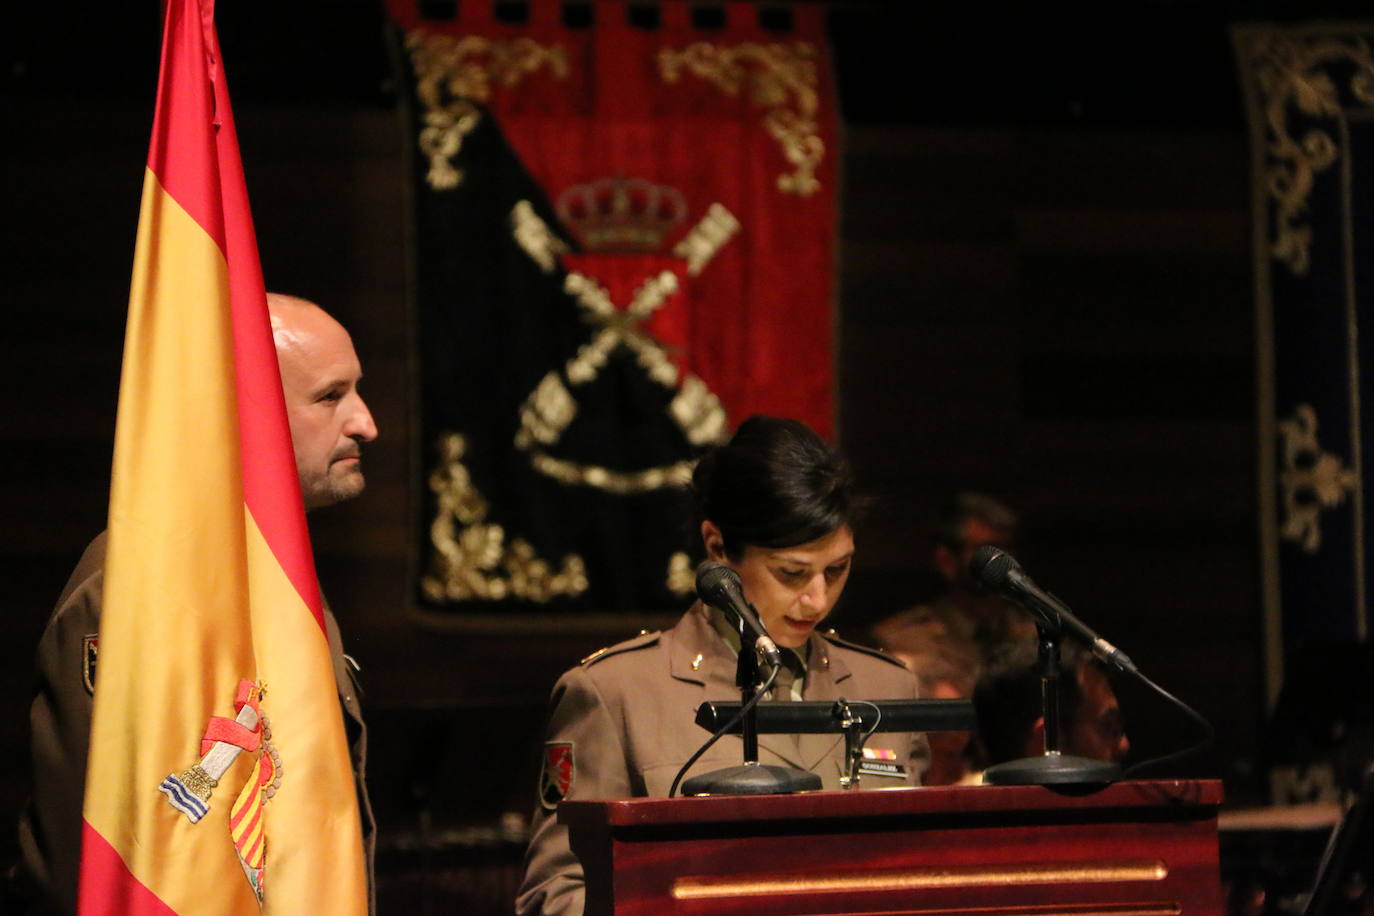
point(1190, 797)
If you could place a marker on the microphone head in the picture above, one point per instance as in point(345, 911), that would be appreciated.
point(992, 567)
point(716, 582)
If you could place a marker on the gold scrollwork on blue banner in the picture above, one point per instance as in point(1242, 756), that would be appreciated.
point(1299, 84)
point(1312, 479)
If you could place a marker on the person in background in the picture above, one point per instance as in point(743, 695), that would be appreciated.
point(946, 667)
point(949, 641)
point(963, 610)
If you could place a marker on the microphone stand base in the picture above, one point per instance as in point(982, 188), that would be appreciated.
point(752, 779)
point(1052, 770)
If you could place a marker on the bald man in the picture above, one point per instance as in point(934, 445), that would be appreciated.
point(329, 424)
point(329, 421)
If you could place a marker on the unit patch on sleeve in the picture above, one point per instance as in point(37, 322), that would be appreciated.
point(555, 782)
point(90, 651)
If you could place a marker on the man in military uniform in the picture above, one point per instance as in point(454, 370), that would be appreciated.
point(329, 422)
point(965, 614)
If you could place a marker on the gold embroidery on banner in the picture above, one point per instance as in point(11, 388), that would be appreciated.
point(707, 237)
point(1311, 479)
point(546, 413)
point(550, 408)
point(621, 483)
point(471, 558)
point(682, 581)
point(698, 412)
point(782, 79)
point(453, 75)
point(1293, 79)
point(621, 328)
point(535, 237)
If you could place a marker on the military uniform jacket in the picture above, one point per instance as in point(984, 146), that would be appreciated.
point(60, 722)
point(622, 724)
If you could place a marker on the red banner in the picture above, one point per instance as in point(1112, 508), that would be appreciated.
point(721, 144)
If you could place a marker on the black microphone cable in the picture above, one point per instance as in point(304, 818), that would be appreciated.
point(724, 729)
point(1209, 733)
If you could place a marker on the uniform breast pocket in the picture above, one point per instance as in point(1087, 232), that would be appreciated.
point(659, 777)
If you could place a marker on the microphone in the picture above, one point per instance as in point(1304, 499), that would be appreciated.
point(997, 571)
point(719, 586)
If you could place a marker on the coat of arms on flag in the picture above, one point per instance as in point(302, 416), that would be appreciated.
point(189, 791)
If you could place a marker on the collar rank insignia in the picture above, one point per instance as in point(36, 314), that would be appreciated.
point(555, 782)
point(189, 791)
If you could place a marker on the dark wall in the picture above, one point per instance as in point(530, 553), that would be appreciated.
point(1044, 294)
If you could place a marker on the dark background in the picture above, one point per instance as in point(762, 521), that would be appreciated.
point(1044, 293)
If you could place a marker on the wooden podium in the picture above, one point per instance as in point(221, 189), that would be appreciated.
point(1141, 848)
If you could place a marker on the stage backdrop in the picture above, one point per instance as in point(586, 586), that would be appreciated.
point(624, 245)
point(1310, 97)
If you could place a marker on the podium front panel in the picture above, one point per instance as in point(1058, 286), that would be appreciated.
point(1146, 848)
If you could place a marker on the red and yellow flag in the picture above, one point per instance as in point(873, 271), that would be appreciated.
point(219, 779)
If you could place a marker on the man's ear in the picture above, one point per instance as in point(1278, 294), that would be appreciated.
point(714, 541)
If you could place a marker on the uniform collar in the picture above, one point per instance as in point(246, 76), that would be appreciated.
point(700, 653)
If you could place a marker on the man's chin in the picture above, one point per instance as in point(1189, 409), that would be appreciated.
point(336, 489)
point(348, 486)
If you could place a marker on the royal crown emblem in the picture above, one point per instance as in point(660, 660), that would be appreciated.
point(621, 214)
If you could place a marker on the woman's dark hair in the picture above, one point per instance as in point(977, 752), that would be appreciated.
point(775, 484)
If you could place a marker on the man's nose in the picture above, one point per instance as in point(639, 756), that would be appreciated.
point(360, 425)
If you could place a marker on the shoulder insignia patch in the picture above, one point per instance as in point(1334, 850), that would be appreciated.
point(556, 776)
point(643, 640)
point(832, 637)
point(90, 652)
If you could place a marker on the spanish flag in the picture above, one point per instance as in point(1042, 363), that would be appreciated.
point(218, 780)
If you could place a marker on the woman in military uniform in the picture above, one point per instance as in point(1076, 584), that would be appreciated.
point(776, 506)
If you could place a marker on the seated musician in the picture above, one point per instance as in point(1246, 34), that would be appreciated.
point(775, 505)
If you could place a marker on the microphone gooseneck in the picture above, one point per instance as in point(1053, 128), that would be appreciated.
point(997, 571)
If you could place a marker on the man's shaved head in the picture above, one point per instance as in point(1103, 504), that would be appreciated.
point(329, 420)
